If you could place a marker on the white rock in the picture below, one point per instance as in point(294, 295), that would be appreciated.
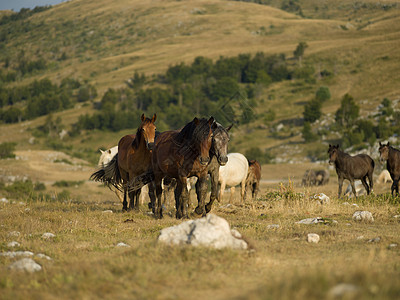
point(309, 221)
point(4, 200)
point(13, 244)
point(122, 245)
point(273, 226)
point(343, 290)
point(313, 238)
point(375, 240)
point(41, 255)
point(25, 264)
point(394, 245)
point(108, 211)
point(13, 254)
point(364, 215)
point(322, 198)
point(396, 216)
point(14, 233)
point(48, 235)
point(210, 231)
point(361, 237)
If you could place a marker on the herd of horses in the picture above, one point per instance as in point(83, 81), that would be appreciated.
point(198, 149)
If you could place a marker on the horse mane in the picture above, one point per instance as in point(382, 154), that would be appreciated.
point(192, 132)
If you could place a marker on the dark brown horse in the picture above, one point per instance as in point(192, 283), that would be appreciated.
point(218, 157)
point(179, 155)
point(133, 158)
point(253, 178)
point(349, 167)
point(392, 157)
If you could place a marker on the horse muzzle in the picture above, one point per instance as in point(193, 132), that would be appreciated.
point(222, 160)
point(150, 146)
point(204, 160)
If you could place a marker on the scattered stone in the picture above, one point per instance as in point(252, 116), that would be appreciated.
point(322, 198)
point(108, 211)
point(346, 203)
point(48, 235)
point(25, 264)
point(4, 200)
point(364, 215)
point(13, 244)
point(355, 205)
point(273, 226)
point(41, 255)
point(396, 216)
point(375, 240)
point(311, 221)
point(361, 237)
point(211, 231)
point(343, 290)
point(348, 224)
point(12, 254)
point(14, 233)
point(27, 209)
point(394, 245)
point(313, 238)
point(122, 245)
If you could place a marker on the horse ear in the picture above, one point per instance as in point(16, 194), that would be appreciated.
point(388, 144)
point(142, 117)
point(154, 118)
point(211, 120)
point(101, 151)
point(229, 127)
point(214, 125)
point(380, 144)
point(196, 121)
point(337, 146)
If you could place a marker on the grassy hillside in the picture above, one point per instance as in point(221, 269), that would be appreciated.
point(104, 43)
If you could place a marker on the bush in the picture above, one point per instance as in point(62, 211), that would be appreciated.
point(323, 94)
point(312, 111)
point(6, 150)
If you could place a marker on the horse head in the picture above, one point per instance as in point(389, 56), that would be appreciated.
point(333, 153)
point(383, 152)
point(148, 130)
point(202, 136)
point(220, 143)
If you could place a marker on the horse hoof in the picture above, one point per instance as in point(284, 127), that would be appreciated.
point(208, 208)
point(199, 210)
point(150, 205)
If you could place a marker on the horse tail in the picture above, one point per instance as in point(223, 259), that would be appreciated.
point(109, 174)
point(139, 181)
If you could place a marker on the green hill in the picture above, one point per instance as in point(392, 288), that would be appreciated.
point(352, 47)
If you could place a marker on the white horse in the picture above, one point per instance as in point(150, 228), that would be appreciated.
point(384, 177)
point(233, 173)
point(107, 155)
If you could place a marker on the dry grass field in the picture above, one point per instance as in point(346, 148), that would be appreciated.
point(86, 263)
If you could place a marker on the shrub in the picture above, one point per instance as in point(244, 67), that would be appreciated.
point(6, 150)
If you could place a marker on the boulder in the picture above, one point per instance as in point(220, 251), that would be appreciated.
point(210, 231)
point(48, 235)
point(25, 264)
point(313, 238)
point(364, 215)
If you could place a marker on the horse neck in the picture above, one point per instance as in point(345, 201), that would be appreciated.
point(341, 157)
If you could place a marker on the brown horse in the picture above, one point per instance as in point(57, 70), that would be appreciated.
point(253, 178)
point(179, 155)
point(133, 158)
point(350, 167)
point(392, 157)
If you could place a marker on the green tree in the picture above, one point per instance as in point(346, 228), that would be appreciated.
point(307, 133)
point(312, 111)
point(299, 52)
point(348, 112)
point(323, 94)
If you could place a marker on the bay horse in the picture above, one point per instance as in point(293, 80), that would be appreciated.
point(392, 157)
point(179, 155)
point(233, 173)
point(349, 167)
point(218, 157)
point(133, 158)
point(253, 178)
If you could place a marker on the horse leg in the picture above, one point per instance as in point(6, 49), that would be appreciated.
point(221, 190)
point(232, 194)
point(152, 196)
point(340, 186)
point(370, 179)
point(365, 184)
point(243, 189)
point(184, 197)
point(393, 187)
point(125, 203)
point(214, 190)
point(178, 207)
point(137, 199)
point(200, 209)
point(158, 208)
point(353, 188)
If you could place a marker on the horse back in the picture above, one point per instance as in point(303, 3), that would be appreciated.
point(235, 170)
point(357, 166)
point(393, 163)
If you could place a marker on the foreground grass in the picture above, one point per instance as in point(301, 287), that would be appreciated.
point(86, 263)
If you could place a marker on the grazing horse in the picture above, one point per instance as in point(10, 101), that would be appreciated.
point(253, 178)
point(321, 177)
point(233, 173)
point(133, 158)
point(218, 157)
point(179, 155)
point(349, 167)
point(392, 157)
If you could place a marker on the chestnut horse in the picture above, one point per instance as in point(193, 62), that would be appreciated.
point(392, 157)
point(179, 155)
point(349, 167)
point(253, 178)
point(133, 158)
